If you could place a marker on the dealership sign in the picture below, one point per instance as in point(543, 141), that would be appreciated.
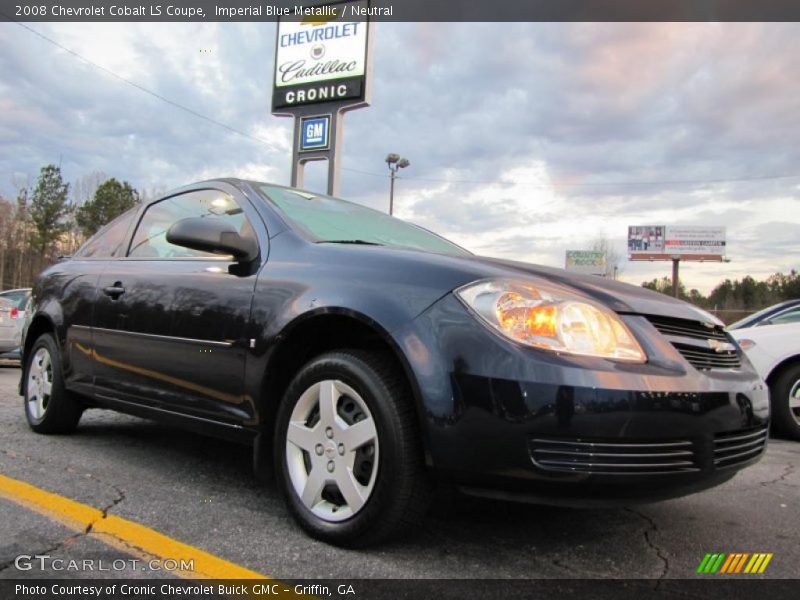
point(590, 262)
point(660, 242)
point(321, 58)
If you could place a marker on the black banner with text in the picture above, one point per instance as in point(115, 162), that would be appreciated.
point(403, 10)
point(394, 589)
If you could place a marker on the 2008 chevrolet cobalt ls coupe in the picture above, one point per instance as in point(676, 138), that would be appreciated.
point(368, 358)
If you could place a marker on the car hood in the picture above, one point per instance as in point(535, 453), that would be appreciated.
point(781, 337)
point(433, 275)
point(773, 344)
point(620, 297)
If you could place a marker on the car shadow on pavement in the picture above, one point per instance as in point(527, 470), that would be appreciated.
point(454, 520)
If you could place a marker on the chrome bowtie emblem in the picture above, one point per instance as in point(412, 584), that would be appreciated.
point(720, 347)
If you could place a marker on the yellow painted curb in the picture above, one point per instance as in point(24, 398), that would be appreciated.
point(120, 533)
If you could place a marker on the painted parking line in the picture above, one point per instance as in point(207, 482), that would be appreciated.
point(130, 537)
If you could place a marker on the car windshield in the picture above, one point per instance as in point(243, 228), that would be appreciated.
point(331, 220)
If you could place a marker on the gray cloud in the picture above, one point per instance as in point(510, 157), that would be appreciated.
point(476, 104)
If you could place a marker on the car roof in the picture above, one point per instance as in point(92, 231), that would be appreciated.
point(786, 303)
point(234, 181)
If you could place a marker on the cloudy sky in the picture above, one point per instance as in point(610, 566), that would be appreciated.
point(525, 140)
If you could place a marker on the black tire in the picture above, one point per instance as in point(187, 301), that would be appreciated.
point(59, 411)
point(784, 421)
point(401, 489)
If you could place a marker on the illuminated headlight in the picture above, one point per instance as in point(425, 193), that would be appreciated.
point(551, 319)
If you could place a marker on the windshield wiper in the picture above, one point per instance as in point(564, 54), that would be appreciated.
point(364, 242)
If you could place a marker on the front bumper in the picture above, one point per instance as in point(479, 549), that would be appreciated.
point(503, 419)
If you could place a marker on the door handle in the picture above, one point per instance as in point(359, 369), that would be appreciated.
point(114, 291)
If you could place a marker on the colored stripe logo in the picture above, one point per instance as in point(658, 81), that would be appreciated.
point(734, 563)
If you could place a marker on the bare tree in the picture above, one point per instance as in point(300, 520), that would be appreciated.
point(6, 221)
point(615, 259)
point(82, 189)
point(153, 193)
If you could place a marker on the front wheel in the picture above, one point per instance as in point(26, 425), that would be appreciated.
point(785, 402)
point(348, 451)
point(49, 407)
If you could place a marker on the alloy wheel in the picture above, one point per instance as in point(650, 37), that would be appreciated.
point(40, 383)
point(332, 450)
point(794, 401)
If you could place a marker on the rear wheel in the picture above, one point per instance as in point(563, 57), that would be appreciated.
point(348, 453)
point(785, 402)
point(49, 407)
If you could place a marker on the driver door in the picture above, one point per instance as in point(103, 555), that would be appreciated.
point(170, 322)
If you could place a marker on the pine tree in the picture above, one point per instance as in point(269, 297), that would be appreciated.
point(49, 208)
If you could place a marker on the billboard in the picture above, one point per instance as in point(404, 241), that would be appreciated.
point(661, 242)
point(590, 262)
point(646, 238)
point(321, 57)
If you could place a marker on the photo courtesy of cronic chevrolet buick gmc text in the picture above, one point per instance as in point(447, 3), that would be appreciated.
point(366, 359)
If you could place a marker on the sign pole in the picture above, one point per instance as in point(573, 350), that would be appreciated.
point(308, 121)
point(675, 281)
point(323, 69)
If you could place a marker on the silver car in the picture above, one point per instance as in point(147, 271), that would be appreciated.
point(13, 304)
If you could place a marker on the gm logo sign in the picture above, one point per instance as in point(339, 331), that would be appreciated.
point(315, 133)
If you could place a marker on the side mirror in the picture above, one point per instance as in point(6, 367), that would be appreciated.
point(212, 235)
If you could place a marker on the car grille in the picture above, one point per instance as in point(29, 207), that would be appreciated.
point(735, 447)
point(612, 457)
point(704, 359)
point(693, 340)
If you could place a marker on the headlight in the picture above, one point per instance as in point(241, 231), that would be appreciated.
point(551, 319)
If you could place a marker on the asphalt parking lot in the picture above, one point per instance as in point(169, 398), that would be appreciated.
point(202, 492)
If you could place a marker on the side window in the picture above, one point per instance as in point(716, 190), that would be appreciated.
point(107, 242)
point(150, 239)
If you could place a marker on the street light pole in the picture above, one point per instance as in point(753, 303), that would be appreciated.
point(394, 161)
point(392, 177)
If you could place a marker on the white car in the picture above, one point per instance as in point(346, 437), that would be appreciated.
point(774, 351)
point(13, 307)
